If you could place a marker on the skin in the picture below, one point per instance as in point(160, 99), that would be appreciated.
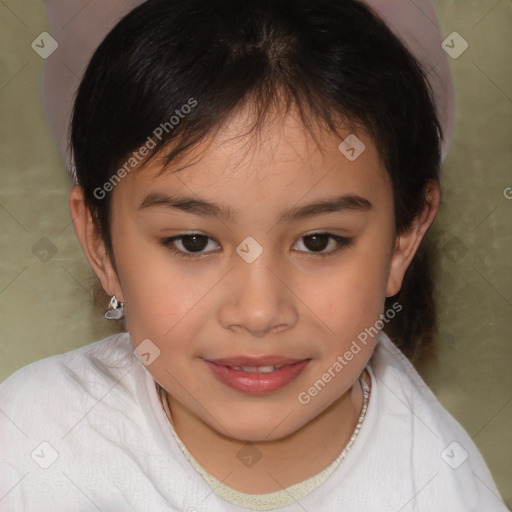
point(289, 301)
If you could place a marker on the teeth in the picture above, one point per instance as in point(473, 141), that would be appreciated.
point(267, 369)
point(256, 369)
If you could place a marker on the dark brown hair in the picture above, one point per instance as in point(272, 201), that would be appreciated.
point(330, 59)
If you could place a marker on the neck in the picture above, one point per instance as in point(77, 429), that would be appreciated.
point(285, 461)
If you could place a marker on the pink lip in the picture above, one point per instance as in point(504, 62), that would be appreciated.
point(255, 361)
point(253, 382)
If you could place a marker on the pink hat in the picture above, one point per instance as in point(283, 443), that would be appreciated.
point(79, 30)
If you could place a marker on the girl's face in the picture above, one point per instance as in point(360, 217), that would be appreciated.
point(257, 254)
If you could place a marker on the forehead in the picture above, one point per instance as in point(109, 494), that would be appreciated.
point(280, 157)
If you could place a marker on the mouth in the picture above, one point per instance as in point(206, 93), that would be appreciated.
point(256, 375)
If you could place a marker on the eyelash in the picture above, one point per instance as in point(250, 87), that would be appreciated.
point(341, 243)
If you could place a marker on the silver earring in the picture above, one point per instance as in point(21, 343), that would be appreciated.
point(117, 309)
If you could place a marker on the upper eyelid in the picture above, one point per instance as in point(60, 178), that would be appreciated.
point(184, 235)
point(193, 233)
point(330, 235)
point(308, 233)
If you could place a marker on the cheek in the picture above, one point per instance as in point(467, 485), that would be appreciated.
point(158, 301)
point(157, 293)
point(162, 295)
point(350, 296)
point(162, 304)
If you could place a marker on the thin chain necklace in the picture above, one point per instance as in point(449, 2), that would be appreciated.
point(278, 499)
point(364, 380)
point(366, 396)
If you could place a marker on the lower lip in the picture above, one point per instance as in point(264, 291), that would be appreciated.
point(257, 383)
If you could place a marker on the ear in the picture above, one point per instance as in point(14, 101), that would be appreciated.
point(92, 244)
point(407, 243)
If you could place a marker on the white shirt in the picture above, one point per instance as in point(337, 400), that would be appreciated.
point(86, 431)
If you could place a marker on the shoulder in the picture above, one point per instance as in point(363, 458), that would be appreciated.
point(402, 391)
point(434, 448)
point(393, 369)
point(49, 393)
point(87, 420)
point(107, 357)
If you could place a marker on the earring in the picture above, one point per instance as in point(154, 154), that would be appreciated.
point(117, 309)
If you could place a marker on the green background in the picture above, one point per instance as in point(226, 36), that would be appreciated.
point(48, 307)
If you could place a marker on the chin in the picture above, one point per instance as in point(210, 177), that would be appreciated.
point(253, 427)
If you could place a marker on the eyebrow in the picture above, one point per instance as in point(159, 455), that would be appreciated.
point(197, 206)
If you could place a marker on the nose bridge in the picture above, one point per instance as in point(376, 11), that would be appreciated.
point(255, 280)
point(258, 298)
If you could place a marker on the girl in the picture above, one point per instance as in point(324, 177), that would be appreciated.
point(254, 183)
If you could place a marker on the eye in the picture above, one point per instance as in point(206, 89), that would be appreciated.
point(316, 243)
point(192, 244)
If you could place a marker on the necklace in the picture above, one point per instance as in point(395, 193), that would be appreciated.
point(366, 395)
point(364, 380)
point(280, 498)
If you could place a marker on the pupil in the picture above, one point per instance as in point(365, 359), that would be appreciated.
point(194, 242)
point(319, 242)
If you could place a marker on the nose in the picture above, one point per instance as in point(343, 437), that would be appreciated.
point(258, 298)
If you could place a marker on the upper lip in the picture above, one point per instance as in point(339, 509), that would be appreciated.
point(253, 361)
